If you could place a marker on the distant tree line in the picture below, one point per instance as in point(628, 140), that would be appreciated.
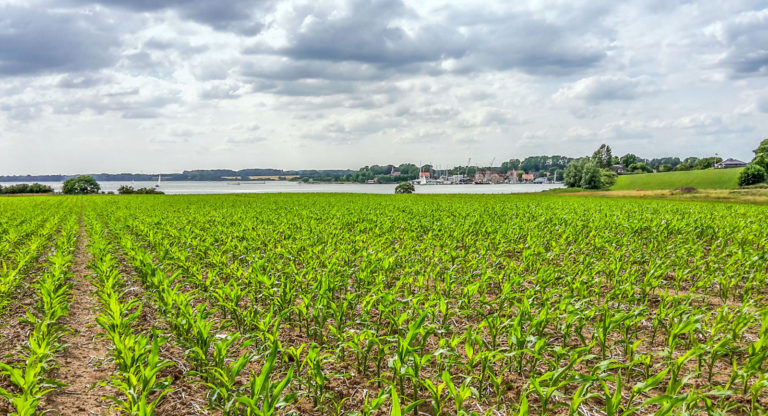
point(635, 164)
point(25, 188)
point(542, 165)
point(129, 190)
point(190, 175)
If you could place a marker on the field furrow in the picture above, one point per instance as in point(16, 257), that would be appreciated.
point(84, 363)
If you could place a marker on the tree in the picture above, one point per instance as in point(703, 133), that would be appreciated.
point(658, 162)
point(603, 157)
point(81, 185)
point(629, 159)
point(691, 161)
point(591, 176)
point(511, 164)
point(761, 155)
point(405, 188)
point(707, 163)
point(752, 175)
point(640, 167)
point(573, 173)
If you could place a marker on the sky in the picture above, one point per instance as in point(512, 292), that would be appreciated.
point(150, 86)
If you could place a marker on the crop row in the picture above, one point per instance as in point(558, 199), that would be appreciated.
point(450, 304)
point(24, 237)
point(28, 372)
point(356, 305)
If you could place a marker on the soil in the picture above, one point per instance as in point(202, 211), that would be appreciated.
point(85, 361)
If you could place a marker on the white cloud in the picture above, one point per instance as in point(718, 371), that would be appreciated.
point(601, 88)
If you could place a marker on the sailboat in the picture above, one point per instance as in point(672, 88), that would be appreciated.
point(159, 180)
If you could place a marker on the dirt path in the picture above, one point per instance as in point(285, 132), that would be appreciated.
point(84, 362)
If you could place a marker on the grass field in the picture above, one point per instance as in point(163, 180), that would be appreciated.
point(701, 179)
point(323, 304)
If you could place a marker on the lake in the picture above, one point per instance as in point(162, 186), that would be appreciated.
point(203, 187)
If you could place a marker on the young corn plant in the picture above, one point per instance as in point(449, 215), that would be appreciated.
point(265, 397)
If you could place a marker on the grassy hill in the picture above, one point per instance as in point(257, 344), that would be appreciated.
point(701, 179)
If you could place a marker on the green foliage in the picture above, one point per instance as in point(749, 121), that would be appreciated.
point(629, 159)
point(761, 155)
point(545, 163)
point(511, 164)
point(573, 173)
point(591, 176)
point(669, 162)
point(584, 173)
point(81, 185)
point(707, 163)
point(753, 174)
point(639, 167)
point(405, 188)
point(607, 178)
point(24, 188)
point(603, 157)
point(128, 190)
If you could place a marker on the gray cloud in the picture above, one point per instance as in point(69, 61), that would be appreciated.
point(286, 69)
point(181, 46)
point(375, 39)
point(240, 16)
point(746, 37)
point(531, 45)
point(127, 103)
point(39, 41)
point(369, 31)
point(221, 91)
point(22, 112)
point(305, 88)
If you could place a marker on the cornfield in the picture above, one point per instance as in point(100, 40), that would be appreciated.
point(390, 304)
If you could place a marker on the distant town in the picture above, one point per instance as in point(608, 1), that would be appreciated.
point(533, 169)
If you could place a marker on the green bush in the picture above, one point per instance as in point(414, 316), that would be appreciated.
point(128, 190)
point(591, 176)
point(584, 173)
point(81, 185)
point(405, 188)
point(25, 188)
point(752, 175)
point(640, 167)
point(608, 178)
point(573, 172)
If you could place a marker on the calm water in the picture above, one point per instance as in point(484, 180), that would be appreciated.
point(198, 187)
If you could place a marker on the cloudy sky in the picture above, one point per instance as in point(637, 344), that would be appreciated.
point(168, 85)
